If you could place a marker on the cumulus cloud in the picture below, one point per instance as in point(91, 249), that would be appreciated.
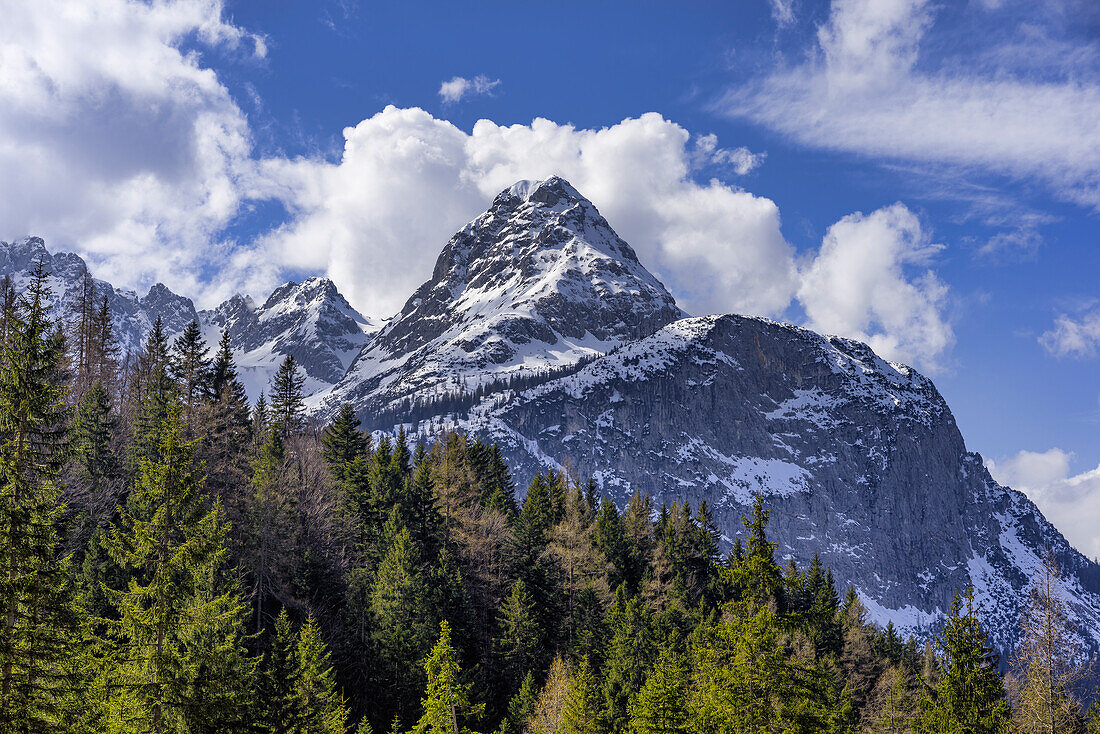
point(119, 143)
point(114, 141)
point(869, 281)
point(1071, 502)
point(867, 87)
point(407, 181)
point(1073, 337)
point(460, 87)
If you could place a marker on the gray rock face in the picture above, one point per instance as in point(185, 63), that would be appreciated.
point(859, 460)
point(538, 281)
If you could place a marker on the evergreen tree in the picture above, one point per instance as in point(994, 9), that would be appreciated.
point(969, 696)
point(97, 466)
point(180, 664)
point(1046, 667)
point(521, 707)
point(446, 701)
point(521, 642)
point(660, 707)
point(287, 405)
point(154, 393)
point(277, 706)
point(191, 367)
point(35, 603)
point(319, 705)
point(343, 444)
point(227, 429)
point(581, 711)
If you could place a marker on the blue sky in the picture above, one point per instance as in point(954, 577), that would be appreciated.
point(923, 176)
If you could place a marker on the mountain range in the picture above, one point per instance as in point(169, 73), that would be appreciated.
point(540, 330)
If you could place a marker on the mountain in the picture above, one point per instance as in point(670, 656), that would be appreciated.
point(537, 282)
point(859, 459)
point(310, 320)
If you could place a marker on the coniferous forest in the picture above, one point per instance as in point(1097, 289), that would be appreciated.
point(176, 559)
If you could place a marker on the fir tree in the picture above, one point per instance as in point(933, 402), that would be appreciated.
point(287, 405)
point(969, 695)
point(37, 620)
point(446, 701)
point(180, 663)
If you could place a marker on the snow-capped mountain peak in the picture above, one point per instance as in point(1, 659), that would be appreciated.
point(539, 281)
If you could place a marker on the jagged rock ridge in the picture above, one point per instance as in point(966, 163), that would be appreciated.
point(538, 281)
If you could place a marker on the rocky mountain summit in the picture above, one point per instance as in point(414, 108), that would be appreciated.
point(537, 282)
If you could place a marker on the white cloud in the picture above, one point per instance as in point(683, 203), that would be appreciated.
point(783, 11)
point(459, 87)
point(119, 143)
point(1073, 337)
point(860, 285)
point(407, 181)
point(1071, 502)
point(866, 88)
point(114, 141)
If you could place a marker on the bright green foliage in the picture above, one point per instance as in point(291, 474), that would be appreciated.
point(745, 681)
point(319, 705)
point(660, 707)
point(521, 707)
point(36, 613)
point(630, 652)
point(969, 697)
point(581, 713)
point(446, 701)
point(178, 662)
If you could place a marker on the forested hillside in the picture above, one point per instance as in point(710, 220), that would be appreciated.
point(177, 560)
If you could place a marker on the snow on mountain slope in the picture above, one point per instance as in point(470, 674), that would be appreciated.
point(859, 459)
point(310, 320)
point(538, 281)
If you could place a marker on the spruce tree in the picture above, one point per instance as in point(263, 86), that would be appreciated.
point(660, 707)
point(319, 706)
point(227, 432)
point(37, 622)
point(520, 645)
point(277, 706)
point(191, 367)
point(180, 662)
point(343, 444)
point(287, 405)
point(446, 703)
point(969, 695)
point(154, 392)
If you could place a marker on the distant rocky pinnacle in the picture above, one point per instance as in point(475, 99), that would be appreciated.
point(541, 331)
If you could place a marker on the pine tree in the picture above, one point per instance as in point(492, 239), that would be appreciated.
point(287, 405)
point(319, 705)
point(37, 620)
point(969, 695)
point(181, 665)
point(446, 701)
point(1045, 668)
point(660, 707)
